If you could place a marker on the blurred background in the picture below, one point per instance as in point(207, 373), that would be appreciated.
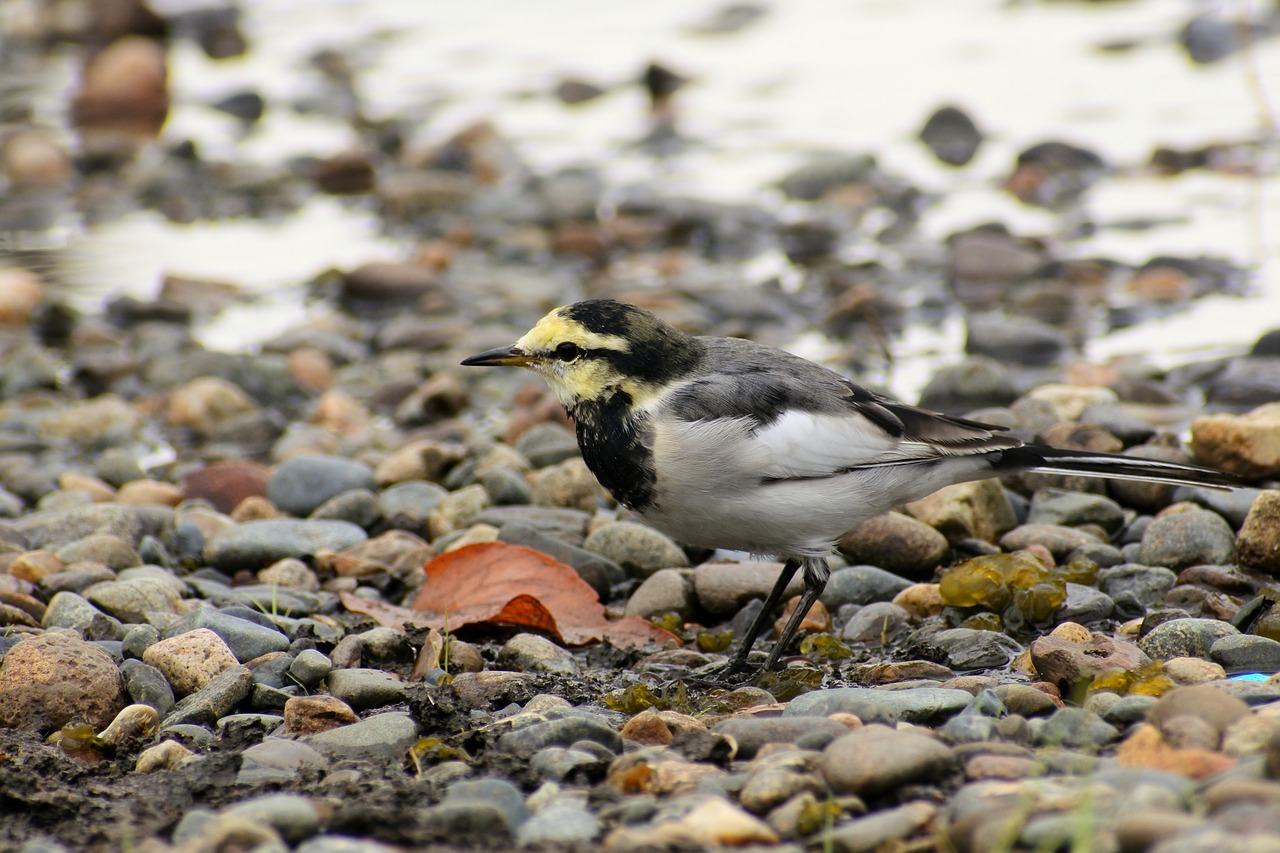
point(855, 179)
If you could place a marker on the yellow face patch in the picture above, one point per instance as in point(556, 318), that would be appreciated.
point(585, 377)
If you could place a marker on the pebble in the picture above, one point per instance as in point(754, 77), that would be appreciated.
point(724, 588)
point(191, 660)
point(385, 736)
point(1258, 542)
point(1184, 638)
point(255, 544)
point(1243, 444)
point(1070, 509)
point(566, 821)
point(972, 649)
point(246, 640)
point(1188, 539)
point(68, 610)
point(897, 543)
point(915, 705)
point(665, 591)
point(535, 653)
point(1060, 540)
point(566, 731)
point(1244, 652)
point(1076, 728)
point(875, 760)
point(364, 688)
point(977, 510)
point(147, 685)
point(302, 483)
point(640, 550)
point(306, 715)
point(860, 585)
point(752, 733)
point(49, 680)
point(214, 700)
point(880, 623)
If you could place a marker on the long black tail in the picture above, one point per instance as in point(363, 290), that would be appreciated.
point(1110, 466)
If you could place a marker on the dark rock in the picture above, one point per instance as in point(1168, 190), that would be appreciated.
point(951, 135)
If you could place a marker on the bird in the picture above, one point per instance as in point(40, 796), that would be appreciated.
point(727, 443)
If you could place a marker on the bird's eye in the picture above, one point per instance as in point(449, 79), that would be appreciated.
point(568, 351)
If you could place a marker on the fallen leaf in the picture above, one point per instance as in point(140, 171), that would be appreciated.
point(428, 655)
point(501, 585)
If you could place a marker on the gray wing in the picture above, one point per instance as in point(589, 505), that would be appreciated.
point(812, 422)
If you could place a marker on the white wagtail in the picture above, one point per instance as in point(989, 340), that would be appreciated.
point(725, 443)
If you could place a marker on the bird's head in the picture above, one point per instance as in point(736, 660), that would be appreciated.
point(591, 350)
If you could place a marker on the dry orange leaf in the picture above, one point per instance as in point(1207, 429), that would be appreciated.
point(501, 585)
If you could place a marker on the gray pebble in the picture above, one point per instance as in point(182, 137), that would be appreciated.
point(1144, 584)
point(665, 591)
point(1020, 340)
point(506, 486)
point(535, 653)
point(561, 762)
point(1076, 728)
point(562, 732)
point(913, 705)
point(255, 544)
point(639, 549)
point(1184, 638)
point(277, 760)
point(1085, 605)
point(724, 588)
point(386, 736)
point(1128, 710)
point(1240, 652)
point(358, 506)
point(365, 688)
point(751, 733)
point(68, 610)
point(966, 649)
point(247, 640)
point(128, 522)
point(546, 444)
point(310, 667)
point(134, 600)
point(294, 816)
point(565, 822)
point(147, 685)
point(861, 585)
point(216, 699)
point(406, 505)
point(1189, 538)
point(341, 844)
point(1060, 540)
point(111, 551)
point(1057, 506)
point(138, 639)
point(876, 760)
point(302, 483)
point(877, 624)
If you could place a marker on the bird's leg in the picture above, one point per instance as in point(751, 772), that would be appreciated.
point(816, 573)
point(739, 662)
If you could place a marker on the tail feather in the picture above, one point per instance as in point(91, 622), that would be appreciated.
point(1109, 466)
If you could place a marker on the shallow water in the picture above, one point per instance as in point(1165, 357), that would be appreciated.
point(847, 75)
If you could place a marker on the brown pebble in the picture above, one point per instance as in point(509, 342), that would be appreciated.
point(304, 715)
point(1001, 767)
point(647, 728)
point(226, 483)
point(149, 492)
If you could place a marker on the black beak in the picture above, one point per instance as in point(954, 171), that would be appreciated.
point(499, 357)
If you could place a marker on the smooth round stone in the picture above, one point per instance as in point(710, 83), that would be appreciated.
point(310, 667)
point(300, 484)
point(546, 444)
point(897, 543)
point(559, 762)
point(566, 822)
point(861, 585)
point(876, 760)
point(1184, 638)
point(127, 522)
point(1144, 584)
point(457, 510)
point(1190, 538)
point(1070, 509)
point(506, 486)
point(365, 688)
point(1128, 710)
point(640, 550)
point(133, 600)
point(51, 679)
point(409, 503)
point(138, 639)
point(1058, 539)
point(1084, 605)
point(535, 653)
point(255, 544)
point(1020, 340)
point(215, 700)
point(358, 506)
point(68, 610)
point(495, 792)
point(1239, 652)
point(566, 731)
point(385, 736)
point(1025, 700)
point(870, 704)
point(111, 551)
point(1076, 728)
point(278, 760)
point(724, 588)
point(294, 816)
point(751, 733)
point(247, 640)
point(664, 591)
point(147, 685)
point(304, 715)
point(877, 623)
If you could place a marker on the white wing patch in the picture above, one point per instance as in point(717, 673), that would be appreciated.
point(806, 444)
